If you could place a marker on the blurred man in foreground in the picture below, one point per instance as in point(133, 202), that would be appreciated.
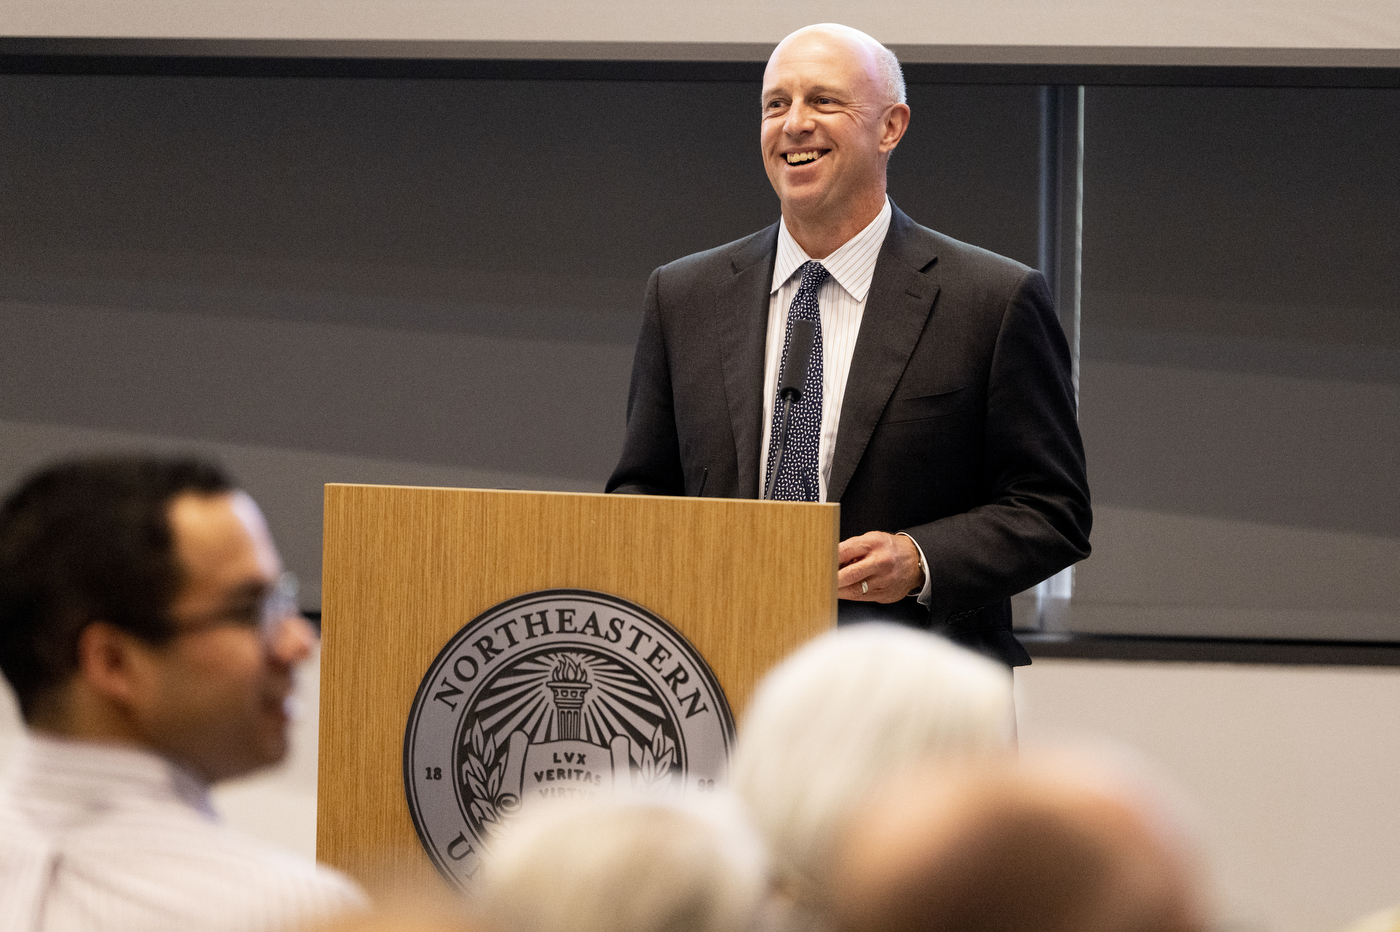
point(150, 637)
point(1054, 845)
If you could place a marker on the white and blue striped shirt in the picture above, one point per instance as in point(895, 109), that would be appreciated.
point(841, 299)
point(842, 302)
point(108, 838)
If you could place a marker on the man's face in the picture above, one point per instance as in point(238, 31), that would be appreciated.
point(826, 132)
point(215, 697)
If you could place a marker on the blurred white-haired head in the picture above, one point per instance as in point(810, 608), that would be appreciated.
point(626, 864)
point(848, 711)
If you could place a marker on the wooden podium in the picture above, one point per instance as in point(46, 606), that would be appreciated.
point(406, 568)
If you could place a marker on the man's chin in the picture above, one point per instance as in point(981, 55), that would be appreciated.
point(799, 184)
point(274, 747)
point(264, 758)
point(806, 205)
point(267, 747)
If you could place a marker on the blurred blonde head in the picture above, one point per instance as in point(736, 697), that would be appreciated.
point(846, 712)
point(625, 865)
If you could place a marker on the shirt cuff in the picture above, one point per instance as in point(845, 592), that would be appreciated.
point(924, 593)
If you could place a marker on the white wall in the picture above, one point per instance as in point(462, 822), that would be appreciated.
point(1294, 773)
point(1361, 24)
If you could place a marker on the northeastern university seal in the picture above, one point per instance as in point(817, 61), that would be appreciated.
point(561, 692)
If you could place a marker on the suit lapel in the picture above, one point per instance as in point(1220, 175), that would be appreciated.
point(897, 309)
point(741, 303)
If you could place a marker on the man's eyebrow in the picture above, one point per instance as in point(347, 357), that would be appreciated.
point(820, 90)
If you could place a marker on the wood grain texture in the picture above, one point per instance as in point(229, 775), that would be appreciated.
point(406, 568)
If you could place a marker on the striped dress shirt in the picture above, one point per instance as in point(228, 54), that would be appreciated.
point(106, 838)
point(842, 302)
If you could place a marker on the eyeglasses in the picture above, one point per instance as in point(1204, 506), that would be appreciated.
point(265, 615)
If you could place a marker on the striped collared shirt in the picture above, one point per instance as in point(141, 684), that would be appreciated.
point(106, 838)
point(842, 301)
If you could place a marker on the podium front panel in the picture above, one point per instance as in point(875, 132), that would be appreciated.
point(406, 568)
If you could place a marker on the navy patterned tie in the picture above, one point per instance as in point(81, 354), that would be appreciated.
point(798, 482)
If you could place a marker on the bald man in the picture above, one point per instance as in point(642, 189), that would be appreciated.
point(937, 408)
point(1054, 845)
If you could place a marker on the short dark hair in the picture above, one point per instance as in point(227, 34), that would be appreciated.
point(88, 540)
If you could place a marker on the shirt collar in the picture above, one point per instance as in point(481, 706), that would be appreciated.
point(852, 265)
point(79, 773)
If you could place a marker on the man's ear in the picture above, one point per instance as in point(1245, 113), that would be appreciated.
point(896, 122)
point(110, 663)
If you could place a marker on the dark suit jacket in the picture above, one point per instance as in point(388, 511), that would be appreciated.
point(957, 427)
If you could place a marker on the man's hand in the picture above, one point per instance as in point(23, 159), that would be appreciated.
point(888, 565)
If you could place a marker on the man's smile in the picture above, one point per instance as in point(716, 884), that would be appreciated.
point(805, 157)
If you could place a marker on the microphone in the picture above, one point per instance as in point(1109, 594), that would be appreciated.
point(801, 335)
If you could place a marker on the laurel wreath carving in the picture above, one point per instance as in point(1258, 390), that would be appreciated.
point(657, 759)
point(484, 775)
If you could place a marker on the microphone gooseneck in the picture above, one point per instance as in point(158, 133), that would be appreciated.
point(801, 335)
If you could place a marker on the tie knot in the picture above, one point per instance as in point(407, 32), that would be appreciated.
point(813, 274)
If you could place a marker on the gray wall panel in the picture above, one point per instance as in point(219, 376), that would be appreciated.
point(411, 281)
point(1240, 374)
